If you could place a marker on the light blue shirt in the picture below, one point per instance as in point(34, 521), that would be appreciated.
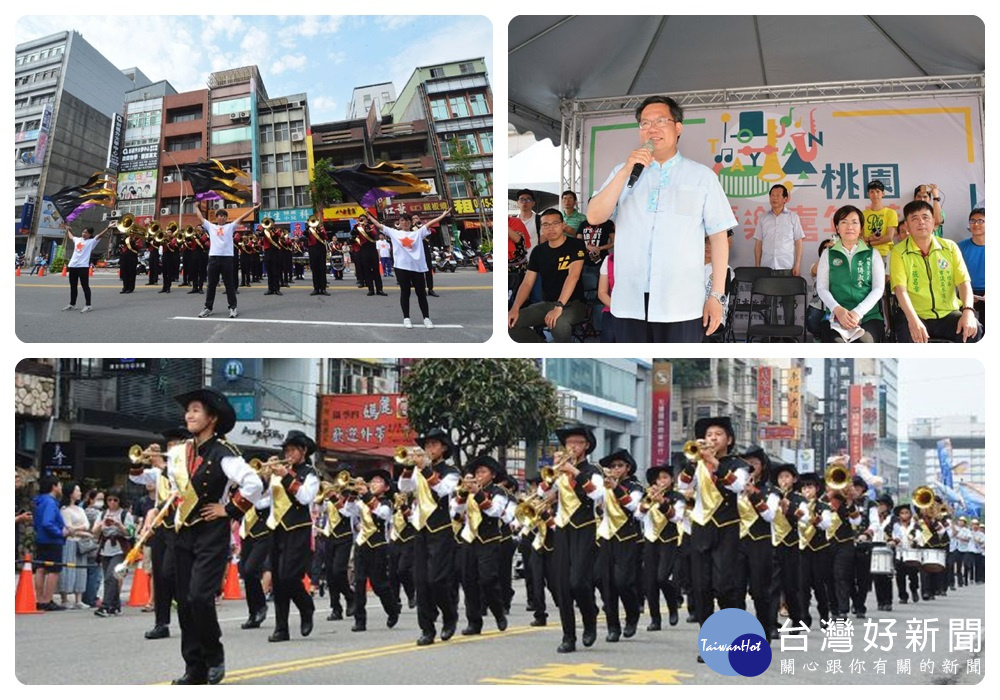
point(660, 229)
point(777, 235)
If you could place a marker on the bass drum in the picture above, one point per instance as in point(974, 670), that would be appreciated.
point(933, 561)
point(881, 561)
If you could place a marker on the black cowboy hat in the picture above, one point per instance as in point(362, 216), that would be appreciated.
point(887, 500)
point(702, 425)
point(623, 455)
point(499, 473)
point(439, 434)
point(783, 467)
point(297, 438)
point(587, 433)
point(384, 473)
point(653, 473)
point(759, 452)
point(901, 507)
point(178, 433)
point(810, 479)
point(215, 402)
point(858, 481)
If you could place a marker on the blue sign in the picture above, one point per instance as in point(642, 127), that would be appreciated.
point(27, 214)
point(245, 407)
point(287, 216)
point(233, 371)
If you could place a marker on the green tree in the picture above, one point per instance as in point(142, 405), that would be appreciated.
point(461, 162)
point(488, 404)
point(322, 189)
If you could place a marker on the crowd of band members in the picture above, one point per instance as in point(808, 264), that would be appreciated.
point(716, 527)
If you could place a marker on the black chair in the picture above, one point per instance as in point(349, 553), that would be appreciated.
point(743, 305)
point(775, 292)
point(589, 279)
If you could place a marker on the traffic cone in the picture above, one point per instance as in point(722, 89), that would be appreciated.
point(63, 272)
point(24, 598)
point(91, 270)
point(119, 273)
point(17, 272)
point(381, 270)
point(231, 588)
point(41, 271)
point(479, 262)
point(139, 596)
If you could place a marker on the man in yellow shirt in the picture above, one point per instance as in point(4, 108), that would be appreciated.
point(880, 222)
point(925, 273)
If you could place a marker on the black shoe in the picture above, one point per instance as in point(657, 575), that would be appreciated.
point(502, 623)
point(359, 627)
point(381, 294)
point(411, 603)
point(252, 623)
point(539, 622)
point(613, 636)
point(589, 636)
point(216, 674)
point(674, 618)
point(325, 293)
point(653, 626)
point(860, 616)
point(425, 640)
point(163, 291)
point(370, 294)
point(278, 636)
point(530, 607)
point(691, 618)
point(334, 616)
point(194, 291)
point(278, 292)
point(470, 631)
point(349, 612)
point(189, 679)
point(123, 292)
point(314, 293)
point(448, 631)
point(629, 630)
point(158, 632)
point(392, 619)
point(432, 293)
point(888, 608)
point(700, 660)
point(566, 648)
point(268, 293)
point(306, 624)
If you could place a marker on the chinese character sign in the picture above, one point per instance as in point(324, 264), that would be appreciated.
point(368, 423)
point(662, 383)
point(764, 395)
point(854, 423)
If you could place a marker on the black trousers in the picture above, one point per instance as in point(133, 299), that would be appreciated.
point(714, 549)
point(199, 267)
point(368, 267)
point(372, 564)
point(543, 576)
point(883, 589)
point(164, 573)
point(154, 266)
point(815, 570)
point(507, 547)
point(286, 268)
point(171, 268)
point(128, 262)
point(633, 330)
point(317, 266)
point(290, 558)
point(481, 582)
point(574, 554)
point(401, 568)
point(862, 576)
point(433, 578)
point(618, 579)
point(335, 560)
point(682, 572)
point(81, 276)
point(255, 559)
point(937, 328)
point(658, 559)
point(272, 262)
point(524, 547)
point(842, 565)
point(407, 279)
point(247, 269)
point(201, 556)
point(907, 575)
point(756, 569)
point(221, 265)
point(785, 583)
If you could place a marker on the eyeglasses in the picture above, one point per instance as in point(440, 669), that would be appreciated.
point(974, 222)
point(552, 224)
point(661, 122)
point(524, 199)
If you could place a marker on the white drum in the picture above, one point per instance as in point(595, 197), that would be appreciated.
point(933, 561)
point(881, 561)
point(911, 557)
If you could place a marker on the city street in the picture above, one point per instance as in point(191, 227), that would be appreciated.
point(462, 313)
point(68, 647)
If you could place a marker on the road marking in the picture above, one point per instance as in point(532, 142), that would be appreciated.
point(591, 674)
point(223, 319)
point(62, 288)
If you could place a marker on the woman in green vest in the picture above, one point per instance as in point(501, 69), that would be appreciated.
point(850, 280)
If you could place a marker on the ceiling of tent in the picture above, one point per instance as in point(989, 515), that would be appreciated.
point(551, 58)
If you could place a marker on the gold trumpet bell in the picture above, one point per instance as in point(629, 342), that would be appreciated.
point(693, 448)
point(313, 222)
point(547, 474)
point(923, 497)
point(125, 223)
point(837, 477)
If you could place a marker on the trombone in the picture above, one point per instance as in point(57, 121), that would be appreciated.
point(137, 455)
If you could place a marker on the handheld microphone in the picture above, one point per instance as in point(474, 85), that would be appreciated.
point(638, 167)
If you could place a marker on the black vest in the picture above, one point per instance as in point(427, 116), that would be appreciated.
point(209, 481)
point(489, 527)
point(377, 538)
point(760, 529)
point(728, 512)
point(441, 517)
point(632, 528)
point(298, 515)
point(585, 514)
point(794, 501)
point(670, 531)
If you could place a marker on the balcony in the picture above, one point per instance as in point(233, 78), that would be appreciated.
point(457, 83)
point(464, 124)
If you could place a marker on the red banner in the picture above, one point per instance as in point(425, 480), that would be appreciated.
point(433, 207)
point(778, 432)
point(764, 414)
point(854, 423)
point(373, 424)
point(660, 415)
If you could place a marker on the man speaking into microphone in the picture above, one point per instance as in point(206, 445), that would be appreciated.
point(664, 206)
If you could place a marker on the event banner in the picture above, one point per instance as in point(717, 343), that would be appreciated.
point(824, 154)
point(365, 423)
point(764, 395)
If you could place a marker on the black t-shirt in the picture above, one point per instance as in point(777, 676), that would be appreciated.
point(595, 234)
point(552, 265)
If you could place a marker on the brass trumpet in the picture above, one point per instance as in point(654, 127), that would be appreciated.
point(651, 494)
point(407, 455)
point(125, 224)
point(531, 511)
point(923, 497)
point(263, 468)
point(313, 222)
point(837, 477)
point(548, 474)
point(137, 455)
point(693, 448)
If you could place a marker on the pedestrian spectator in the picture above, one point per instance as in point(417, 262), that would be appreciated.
point(527, 216)
point(932, 195)
point(880, 222)
point(385, 254)
point(39, 264)
point(928, 305)
point(79, 543)
point(659, 293)
point(572, 219)
point(557, 263)
point(50, 537)
point(778, 236)
point(114, 530)
point(93, 507)
point(79, 264)
point(974, 253)
point(850, 280)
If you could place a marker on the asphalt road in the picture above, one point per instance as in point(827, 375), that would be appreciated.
point(75, 647)
point(461, 314)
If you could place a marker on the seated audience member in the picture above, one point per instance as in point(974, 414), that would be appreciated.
point(974, 253)
point(925, 273)
point(557, 263)
point(850, 281)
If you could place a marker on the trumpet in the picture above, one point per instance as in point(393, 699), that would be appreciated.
point(401, 500)
point(464, 485)
point(125, 224)
point(693, 448)
point(531, 511)
point(137, 455)
point(838, 478)
point(264, 469)
point(651, 495)
point(547, 474)
point(407, 455)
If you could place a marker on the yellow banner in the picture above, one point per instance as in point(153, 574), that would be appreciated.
point(343, 211)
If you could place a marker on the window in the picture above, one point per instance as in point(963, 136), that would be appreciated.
point(184, 143)
point(439, 109)
point(43, 99)
point(385, 97)
point(227, 107)
point(224, 136)
point(284, 393)
point(281, 131)
point(298, 128)
point(486, 140)
point(266, 133)
point(268, 199)
point(188, 115)
point(467, 68)
point(285, 198)
point(437, 72)
point(459, 107)
point(302, 196)
point(471, 145)
point(479, 106)
point(445, 148)
point(300, 161)
point(457, 187)
point(482, 181)
point(283, 162)
point(266, 165)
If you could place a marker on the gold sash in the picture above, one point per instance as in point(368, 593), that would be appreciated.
point(748, 514)
point(614, 516)
point(425, 502)
point(332, 518)
point(249, 520)
point(659, 519)
point(926, 532)
point(711, 499)
point(280, 503)
point(398, 524)
point(780, 527)
point(835, 523)
point(368, 527)
point(473, 518)
point(542, 532)
point(807, 532)
point(568, 500)
point(178, 458)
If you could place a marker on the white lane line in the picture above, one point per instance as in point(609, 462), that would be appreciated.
point(223, 319)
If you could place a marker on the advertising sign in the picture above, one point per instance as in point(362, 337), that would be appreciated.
point(373, 424)
point(138, 185)
point(764, 413)
point(660, 421)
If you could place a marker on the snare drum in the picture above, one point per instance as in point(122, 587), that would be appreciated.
point(881, 561)
point(933, 561)
point(911, 557)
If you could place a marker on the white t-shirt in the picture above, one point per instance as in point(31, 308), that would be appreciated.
point(82, 249)
point(407, 250)
point(221, 237)
point(383, 248)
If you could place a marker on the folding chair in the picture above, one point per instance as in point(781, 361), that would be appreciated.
point(775, 290)
point(742, 304)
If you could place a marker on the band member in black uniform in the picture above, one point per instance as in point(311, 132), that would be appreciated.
point(129, 260)
point(367, 258)
point(337, 554)
point(785, 538)
point(906, 533)
point(401, 550)
point(255, 558)
point(717, 478)
point(214, 466)
point(162, 540)
point(186, 254)
point(293, 489)
point(316, 238)
point(198, 261)
point(880, 522)
point(272, 259)
point(171, 262)
point(433, 555)
point(862, 582)
point(845, 517)
point(578, 487)
point(933, 524)
point(507, 543)
point(154, 265)
point(757, 506)
point(372, 507)
point(660, 511)
point(482, 503)
point(286, 248)
point(619, 535)
point(815, 564)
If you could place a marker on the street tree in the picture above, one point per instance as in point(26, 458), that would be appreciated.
point(487, 403)
point(322, 188)
point(461, 161)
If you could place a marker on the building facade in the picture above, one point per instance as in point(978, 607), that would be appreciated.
point(379, 95)
point(967, 436)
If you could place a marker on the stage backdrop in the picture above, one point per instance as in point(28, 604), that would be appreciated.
point(824, 154)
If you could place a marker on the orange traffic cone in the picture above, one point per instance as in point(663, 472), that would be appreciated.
point(381, 270)
point(139, 596)
point(63, 272)
point(41, 271)
point(479, 262)
point(231, 588)
point(24, 598)
point(91, 270)
point(17, 272)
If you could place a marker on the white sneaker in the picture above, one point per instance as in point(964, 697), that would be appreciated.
point(69, 307)
point(232, 313)
point(406, 323)
point(427, 323)
point(85, 309)
point(205, 313)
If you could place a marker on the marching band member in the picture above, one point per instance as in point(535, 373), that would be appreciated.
point(757, 506)
point(272, 258)
point(128, 260)
point(294, 486)
point(577, 488)
point(433, 554)
point(481, 502)
point(785, 539)
point(717, 478)
point(171, 261)
point(619, 531)
point(212, 467)
point(844, 518)
point(880, 532)
point(539, 537)
point(862, 579)
point(316, 238)
point(933, 523)
point(255, 558)
point(507, 542)
point(371, 504)
point(367, 256)
point(660, 511)
point(339, 535)
point(906, 533)
point(401, 536)
point(812, 520)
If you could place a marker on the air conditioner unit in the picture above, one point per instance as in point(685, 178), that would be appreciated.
point(167, 179)
point(232, 206)
point(359, 385)
point(381, 385)
point(234, 115)
point(298, 136)
point(116, 214)
point(164, 211)
point(430, 181)
point(244, 115)
point(105, 217)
